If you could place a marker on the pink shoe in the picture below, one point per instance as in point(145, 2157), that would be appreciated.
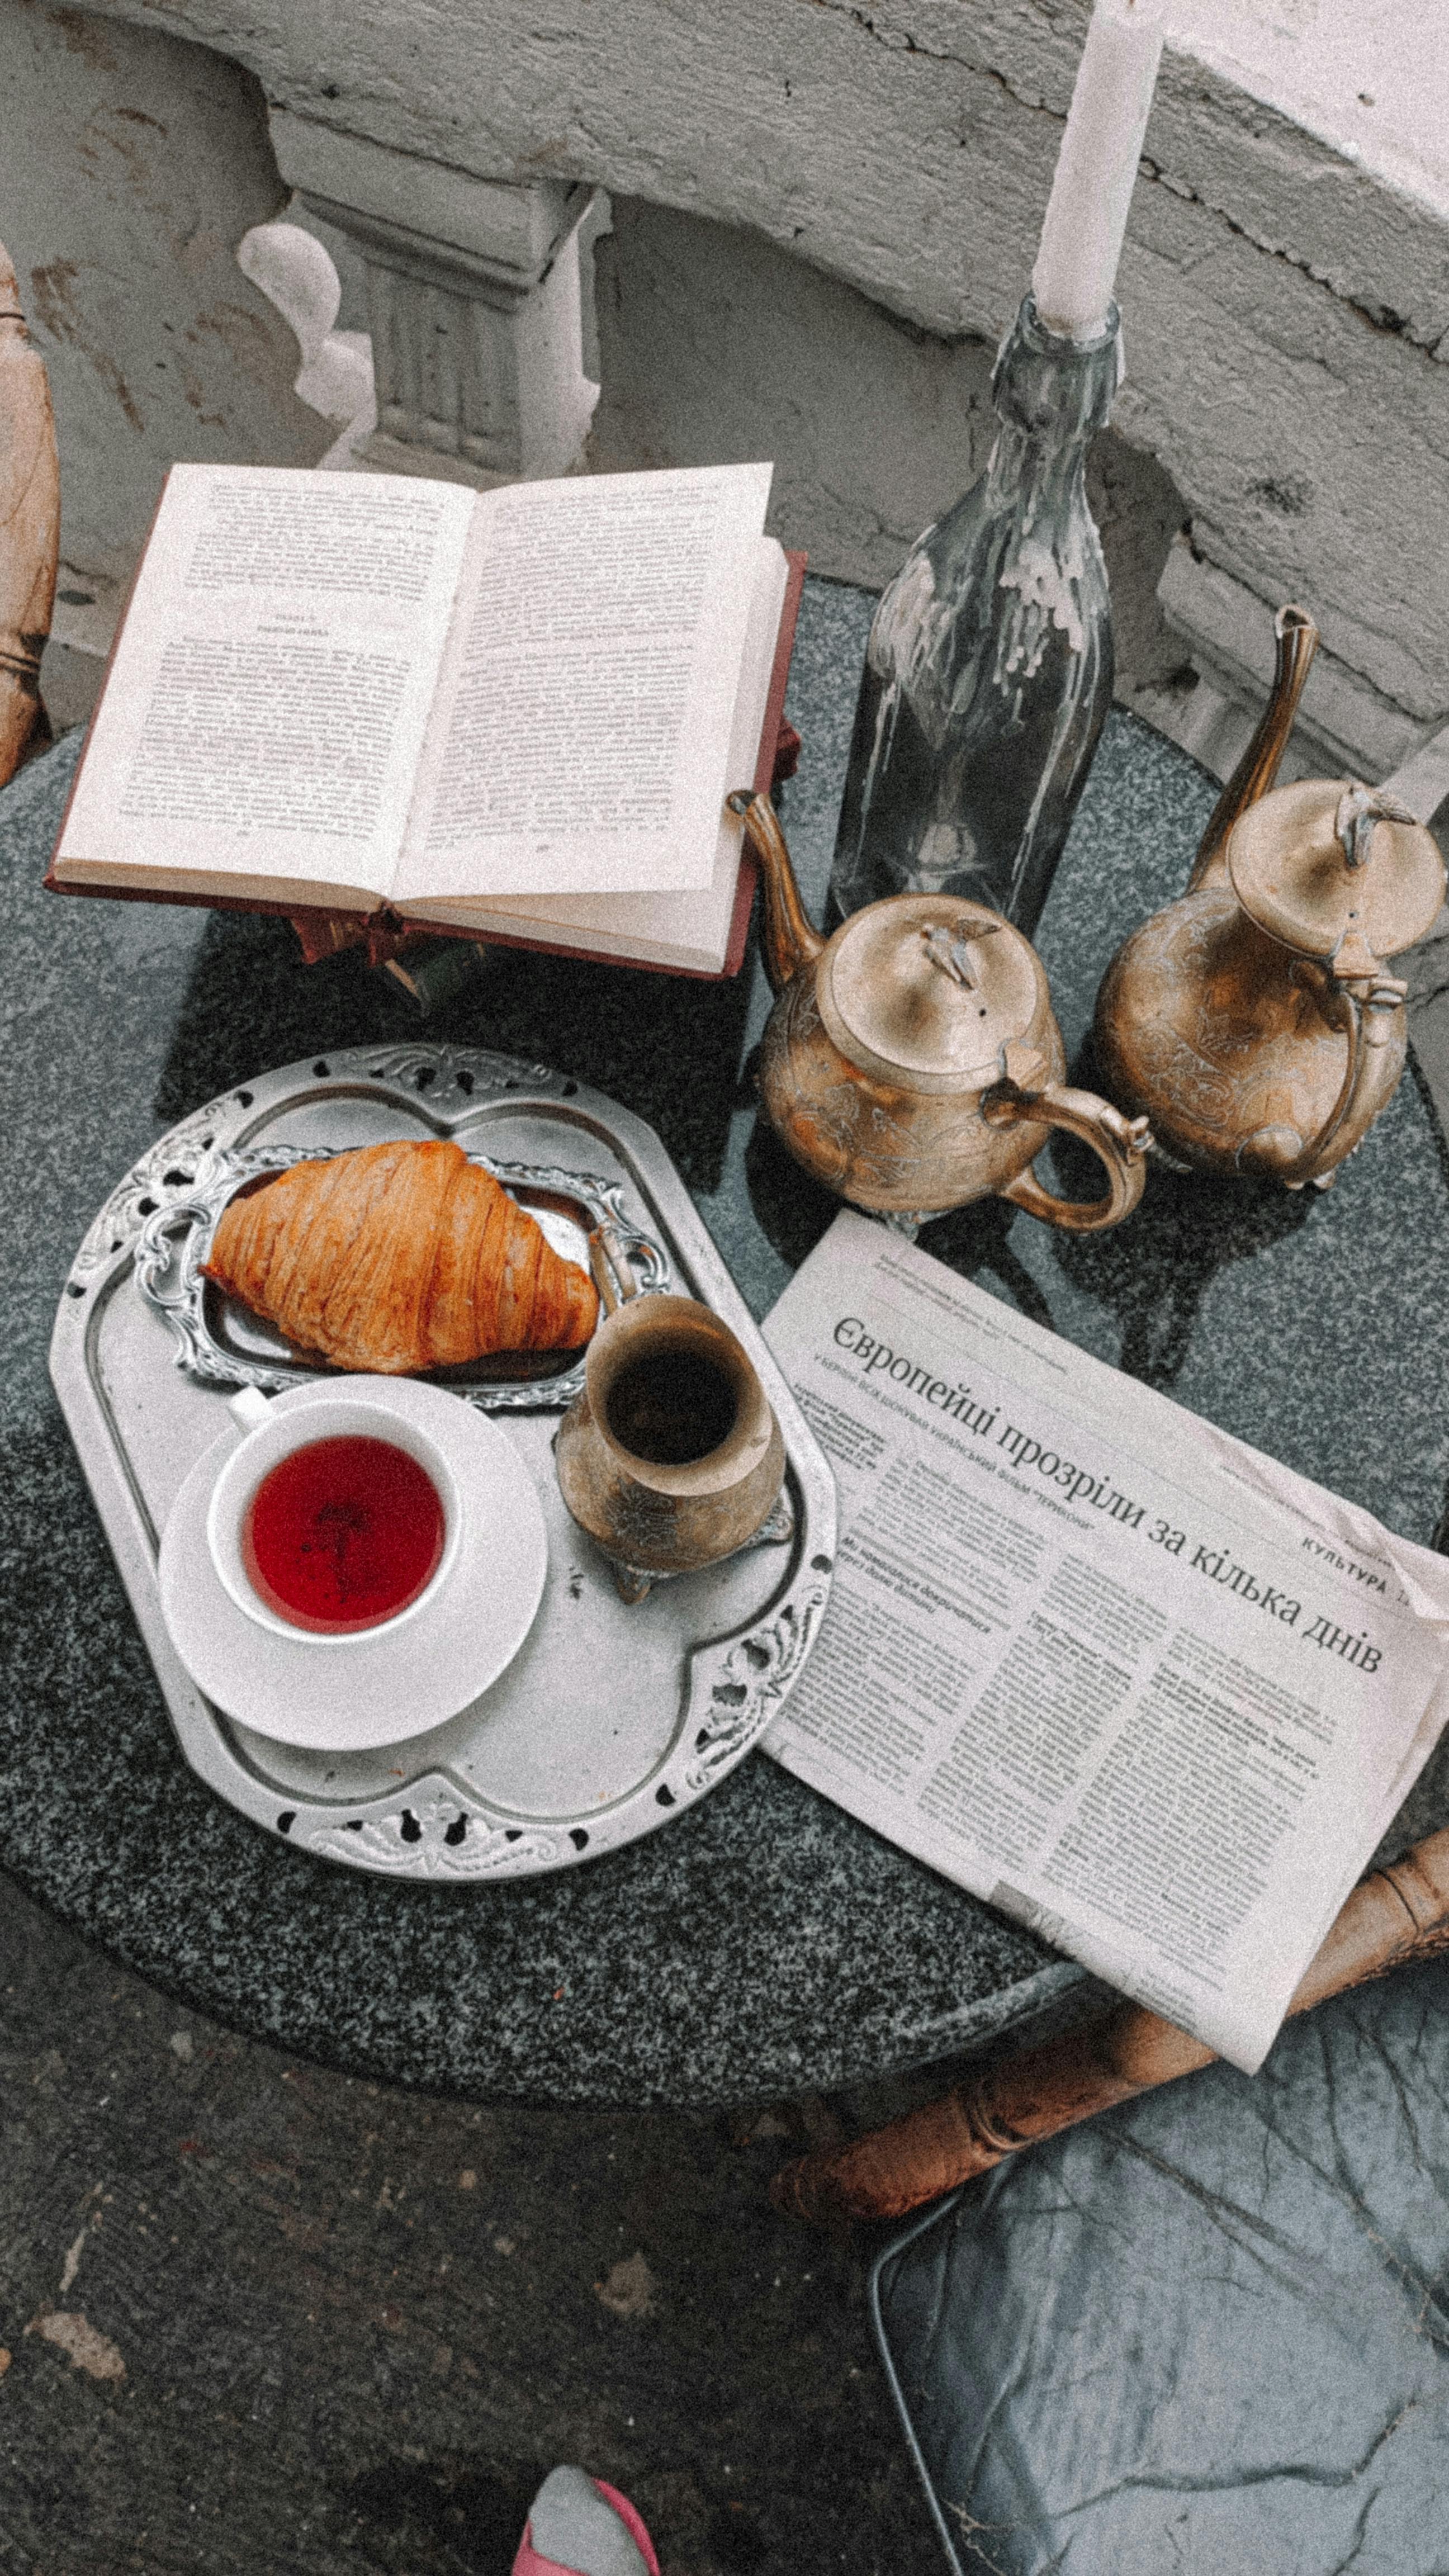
point(578, 2526)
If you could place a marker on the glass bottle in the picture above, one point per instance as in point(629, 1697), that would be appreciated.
point(988, 672)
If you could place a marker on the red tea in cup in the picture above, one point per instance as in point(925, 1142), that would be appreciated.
point(342, 1534)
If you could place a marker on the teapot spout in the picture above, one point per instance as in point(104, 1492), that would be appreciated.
point(1297, 643)
point(789, 939)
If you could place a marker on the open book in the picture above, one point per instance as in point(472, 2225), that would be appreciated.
point(515, 711)
point(1145, 1690)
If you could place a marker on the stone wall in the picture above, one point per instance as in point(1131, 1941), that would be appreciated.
point(133, 164)
point(1286, 293)
point(715, 345)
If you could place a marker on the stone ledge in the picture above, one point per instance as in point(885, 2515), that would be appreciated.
point(1345, 725)
point(1286, 294)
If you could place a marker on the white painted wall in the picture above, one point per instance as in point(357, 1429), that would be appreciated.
point(132, 166)
point(716, 345)
point(1369, 76)
point(1285, 283)
point(1284, 296)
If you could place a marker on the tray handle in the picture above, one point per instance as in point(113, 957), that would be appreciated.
point(155, 1253)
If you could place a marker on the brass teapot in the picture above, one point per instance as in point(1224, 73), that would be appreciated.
point(912, 1062)
point(1253, 1021)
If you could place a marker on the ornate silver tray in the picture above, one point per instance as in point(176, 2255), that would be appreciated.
point(219, 1339)
point(611, 1719)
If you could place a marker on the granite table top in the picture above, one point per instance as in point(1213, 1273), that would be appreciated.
point(762, 1944)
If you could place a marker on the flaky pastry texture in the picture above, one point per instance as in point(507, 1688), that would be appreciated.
point(400, 1257)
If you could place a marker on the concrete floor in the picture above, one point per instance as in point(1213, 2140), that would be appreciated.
point(257, 2317)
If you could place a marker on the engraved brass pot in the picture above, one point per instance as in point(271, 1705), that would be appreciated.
point(912, 1062)
point(711, 1485)
point(1254, 1022)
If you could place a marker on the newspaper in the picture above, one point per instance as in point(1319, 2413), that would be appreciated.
point(1134, 1683)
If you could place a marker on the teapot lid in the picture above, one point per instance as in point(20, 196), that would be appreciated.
point(924, 991)
point(1336, 870)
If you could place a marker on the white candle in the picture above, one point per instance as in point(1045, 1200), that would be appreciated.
point(1081, 240)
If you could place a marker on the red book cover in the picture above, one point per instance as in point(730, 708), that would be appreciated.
point(383, 934)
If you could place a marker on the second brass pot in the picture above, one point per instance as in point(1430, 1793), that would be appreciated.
point(1254, 1020)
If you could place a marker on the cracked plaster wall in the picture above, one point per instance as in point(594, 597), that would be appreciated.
point(1287, 304)
point(715, 345)
point(133, 164)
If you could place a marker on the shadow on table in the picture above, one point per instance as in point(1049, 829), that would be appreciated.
point(666, 1046)
point(1152, 1273)
point(794, 1211)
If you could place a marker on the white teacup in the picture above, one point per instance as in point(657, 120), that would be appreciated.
point(275, 1427)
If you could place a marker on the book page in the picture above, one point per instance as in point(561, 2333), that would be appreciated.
point(267, 703)
point(1148, 1692)
point(691, 929)
point(581, 734)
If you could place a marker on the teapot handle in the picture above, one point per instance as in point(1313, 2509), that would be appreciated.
point(1120, 1144)
point(1368, 1011)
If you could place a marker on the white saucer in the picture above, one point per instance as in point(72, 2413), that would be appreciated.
point(348, 1694)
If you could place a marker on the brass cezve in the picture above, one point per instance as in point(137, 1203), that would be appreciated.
point(653, 1518)
point(912, 1062)
point(1253, 1021)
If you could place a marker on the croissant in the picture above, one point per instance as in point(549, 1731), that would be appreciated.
point(399, 1257)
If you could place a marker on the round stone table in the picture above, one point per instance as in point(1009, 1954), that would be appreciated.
point(763, 1943)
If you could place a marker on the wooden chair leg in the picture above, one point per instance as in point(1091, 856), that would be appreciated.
point(1398, 1914)
point(29, 530)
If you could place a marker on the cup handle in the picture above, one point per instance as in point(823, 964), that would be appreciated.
point(1119, 1143)
point(612, 1273)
